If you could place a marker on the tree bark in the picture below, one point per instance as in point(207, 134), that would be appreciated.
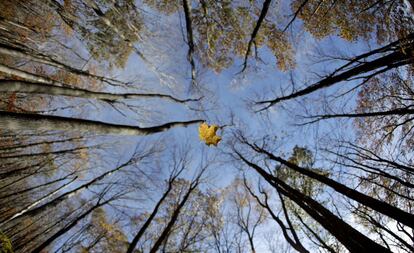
point(190, 40)
point(26, 209)
point(397, 111)
point(263, 13)
point(377, 205)
point(26, 121)
point(66, 195)
point(36, 57)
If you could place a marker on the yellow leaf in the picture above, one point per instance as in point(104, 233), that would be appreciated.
point(208, 134)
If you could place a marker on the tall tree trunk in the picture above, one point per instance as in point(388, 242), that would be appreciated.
point(263, 13)
point(144, 227)
point(27, 208)
point(377, 205)
point(174, 218)
point(398, 57)
point(42, 88)
point(42, 85)
point(44, 59)
point(67, 228)
point(353, 240)
point(16, 193)
point(66, 195)
point(28, 121)
point(190, 40)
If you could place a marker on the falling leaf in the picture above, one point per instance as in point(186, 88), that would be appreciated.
point(208, 134)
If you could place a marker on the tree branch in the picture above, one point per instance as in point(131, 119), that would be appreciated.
point(259, 22)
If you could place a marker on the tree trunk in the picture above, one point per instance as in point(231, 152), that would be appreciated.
point(27, 121)
point(353, 240)
point(190, 39)
point(26, 209)
point(66, 195)
point(144, 227)
point(66, 228)
point(263, 13)
point(35, 87)
point(392, 60)
point(26, 54)
point(173, 219)
point(377, 205)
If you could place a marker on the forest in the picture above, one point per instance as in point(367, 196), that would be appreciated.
point(208, 126)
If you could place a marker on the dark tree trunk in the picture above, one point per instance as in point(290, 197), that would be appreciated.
point(66, 228)
point(173, 219)
point(395, 59)
point(144, 227)
point(377, 205)
point(353, 240)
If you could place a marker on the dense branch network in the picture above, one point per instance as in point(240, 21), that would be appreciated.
point(397, 54)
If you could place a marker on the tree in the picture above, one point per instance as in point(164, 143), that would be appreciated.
point(350, 21)
point(305, 202)
point(104, 235)
point(397, 54)
point(248, 215)
point(321, 214)
point(223, 31)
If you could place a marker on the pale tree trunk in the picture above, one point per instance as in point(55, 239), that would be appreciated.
point(43, 85)
point(65, 229)
point(27, 208)
point(28, 76)
point(26, 121)
point(35, 87)
point(40, 58)
point(31, 212)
